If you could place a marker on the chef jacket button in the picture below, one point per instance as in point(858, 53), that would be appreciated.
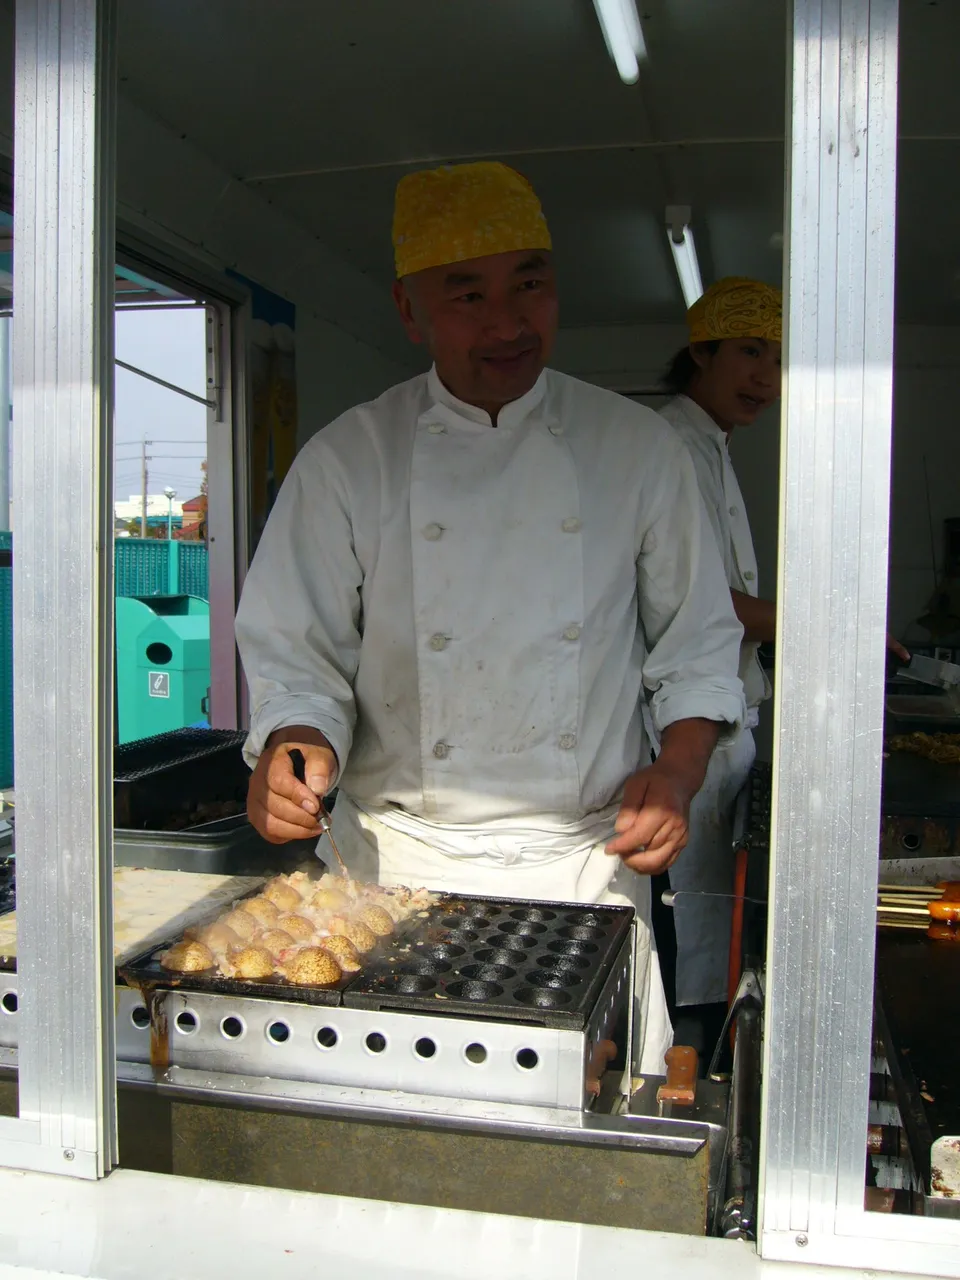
point(441, 750)
point(433, 532)
point(749, 575)
point(734, 511)
point(572, 633)
point(436, 428)
point(555, 429)
point(571, 525)
point(567, 741)
point(438, 642)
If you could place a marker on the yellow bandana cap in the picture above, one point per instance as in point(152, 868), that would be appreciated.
point(464, 211)
point(737, 308)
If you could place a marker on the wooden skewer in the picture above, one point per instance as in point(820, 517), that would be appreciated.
point(927, 890)
point(903, 911)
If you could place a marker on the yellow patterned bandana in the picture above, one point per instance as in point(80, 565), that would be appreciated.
point(464, 211)
point(737, 308)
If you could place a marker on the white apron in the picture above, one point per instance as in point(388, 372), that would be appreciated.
point(377, 852)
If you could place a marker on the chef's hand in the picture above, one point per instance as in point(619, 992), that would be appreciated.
point(279, 806)
point(896, 647)
point(652, 825)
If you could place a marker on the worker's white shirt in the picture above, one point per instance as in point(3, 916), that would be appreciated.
point(470, 614)
point(727, 513)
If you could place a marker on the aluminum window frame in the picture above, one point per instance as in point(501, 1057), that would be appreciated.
point(832, 595)
point(65, 113)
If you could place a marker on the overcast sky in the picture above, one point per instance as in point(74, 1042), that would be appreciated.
point(169, 344)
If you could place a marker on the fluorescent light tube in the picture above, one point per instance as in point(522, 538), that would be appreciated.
point(623, 34)
point(684, 252)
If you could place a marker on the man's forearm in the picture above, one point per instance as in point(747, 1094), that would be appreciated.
point(685, 749)
point(759, 617)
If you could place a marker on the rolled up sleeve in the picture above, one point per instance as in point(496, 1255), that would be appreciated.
point(298, 624)
point(692, 633)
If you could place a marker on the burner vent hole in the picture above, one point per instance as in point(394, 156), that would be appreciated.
point(327, 1037)
point(527, 1059)
point(911, 841)
point(425, 1047)
point(9, 1002)
point(475, 1053)
point(376, 1042)
point(186, 1022)
point(278, 1032)
point(140, 1018)
point(232, 1028)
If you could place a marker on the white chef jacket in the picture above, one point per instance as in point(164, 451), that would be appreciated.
point(472, 616)
point(727, 514)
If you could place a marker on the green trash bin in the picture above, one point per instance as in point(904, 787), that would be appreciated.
point(163, 664)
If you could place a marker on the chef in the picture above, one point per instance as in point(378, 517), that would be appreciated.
point(468, 587)
point(724, 379)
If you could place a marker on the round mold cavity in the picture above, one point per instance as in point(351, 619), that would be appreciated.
point(278, 1032)
point(443, 951)
point(327, 1038)
point(488, 972)
point(563, 964)
point(572, 947)
point(139, 1017)
point(528, 1059)
point(425, 1048)
point(232, 1027)
point(539, 915)
point(465, 924)
point(375, 1042)
point(595, 919)
point(432, 968)
point(500, 955)
point(554, 978)
point(186, 1022)
point(459, 937)
point(475, 1053)
point(406, 984)
point(522, 928)
point(542, 997)
point(470, 989)
point(514, 941)
point(581, 932)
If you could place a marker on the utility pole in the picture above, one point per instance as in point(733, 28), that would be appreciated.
point(143, 478)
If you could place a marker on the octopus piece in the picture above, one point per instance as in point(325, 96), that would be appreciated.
point(275, 941)
point(312, 966)
point(242, 923)
point(298, 927)
point(252, 963)
point(344, 952)
point(262, 910)
point(188, 957)
point(377, 920)
point(282, 895)
point(362, 937)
